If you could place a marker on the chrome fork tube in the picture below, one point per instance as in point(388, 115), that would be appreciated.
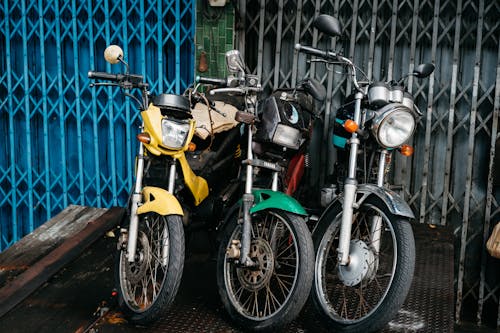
point(248, 200)
point(381, 168)
point(249, 169)
point(170, 188)
point(171, 176)
point(274, 185)
point(376, 221)
point(136, 201)
point(350, 188)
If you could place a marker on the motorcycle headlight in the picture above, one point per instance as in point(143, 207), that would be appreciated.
point(174, 133)
point(287, 136)
point(393, 125)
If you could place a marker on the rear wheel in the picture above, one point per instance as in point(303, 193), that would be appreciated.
point(271, 294)
point(366, 294)
point(148, 285)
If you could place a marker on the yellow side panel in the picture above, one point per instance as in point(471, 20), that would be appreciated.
point(197, 184)
point(159, 201)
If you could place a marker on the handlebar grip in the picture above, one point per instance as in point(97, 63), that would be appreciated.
point(103, 76)
point(315, 52)
point(210, 80)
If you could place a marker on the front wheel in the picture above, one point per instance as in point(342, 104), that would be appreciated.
point(365, 294)
point(271, 294)
point(147, 286)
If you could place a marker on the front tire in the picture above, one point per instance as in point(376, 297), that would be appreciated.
point(367, 293)
point(271, 295)
point(147, 287)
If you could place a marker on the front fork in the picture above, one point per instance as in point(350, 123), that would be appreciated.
point(376, 223)
point(137, 200)
point(350, 189)
point(248, 201)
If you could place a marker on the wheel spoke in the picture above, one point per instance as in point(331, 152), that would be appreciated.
point(283, 286)
point(272, 301)
point(255, 309)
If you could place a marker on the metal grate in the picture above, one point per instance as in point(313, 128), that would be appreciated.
point(428, 307)
point(65, 143)
point(448, 181)
point(68, 300)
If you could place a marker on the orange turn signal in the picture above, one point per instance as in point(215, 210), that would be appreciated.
point(191, 146)
point(144, 137)
point(406, 150)
point(350, 126)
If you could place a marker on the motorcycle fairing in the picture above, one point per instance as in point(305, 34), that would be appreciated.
point(160, 201)
point(152, 124)
point(265, 199)
point(152, 118)
point(391, 199)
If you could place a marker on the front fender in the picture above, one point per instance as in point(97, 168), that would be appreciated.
point(391, 199)
point(160, 201)
point(265, 199)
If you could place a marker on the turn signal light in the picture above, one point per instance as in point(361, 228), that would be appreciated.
point(144, 137)
point(350, 126)
point(406, 150)
point(191, 146)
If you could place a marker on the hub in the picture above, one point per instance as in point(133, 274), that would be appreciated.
point(137, 269)
point(360, 266)
point(257, 277)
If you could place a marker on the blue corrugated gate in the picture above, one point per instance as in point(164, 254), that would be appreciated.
point(63, 142)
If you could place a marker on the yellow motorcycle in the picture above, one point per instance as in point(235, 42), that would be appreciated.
point(151, 244)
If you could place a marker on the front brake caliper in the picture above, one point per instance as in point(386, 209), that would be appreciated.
point(233, 251)
point(122, 240)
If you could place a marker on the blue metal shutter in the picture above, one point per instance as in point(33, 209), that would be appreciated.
point(63, 142)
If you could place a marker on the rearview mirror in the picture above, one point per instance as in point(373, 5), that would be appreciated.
point(423, 70)
point(113, 54)
point(234, 62)
point(315, 89)
point(328, 25)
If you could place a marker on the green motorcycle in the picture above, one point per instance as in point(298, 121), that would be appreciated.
point(265, 259)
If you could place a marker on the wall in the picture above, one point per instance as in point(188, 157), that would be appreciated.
point(214, 36)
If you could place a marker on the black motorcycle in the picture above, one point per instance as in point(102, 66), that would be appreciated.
point(365, 251)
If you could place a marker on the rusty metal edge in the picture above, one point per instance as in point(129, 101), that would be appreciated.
point(27, 282)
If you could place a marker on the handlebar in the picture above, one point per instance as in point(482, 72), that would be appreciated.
point(126, 81)
point(333, 57)
point(105, 76)
point(212, 81)
point(327, 55)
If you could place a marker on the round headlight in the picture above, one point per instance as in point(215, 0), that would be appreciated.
point(393, 125)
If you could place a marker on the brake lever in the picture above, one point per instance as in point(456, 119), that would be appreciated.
point(105, 84)
point(317, 60)
point(227, 90)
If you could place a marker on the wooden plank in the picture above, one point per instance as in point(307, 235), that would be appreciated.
point(68, 250)
point(44, 239)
